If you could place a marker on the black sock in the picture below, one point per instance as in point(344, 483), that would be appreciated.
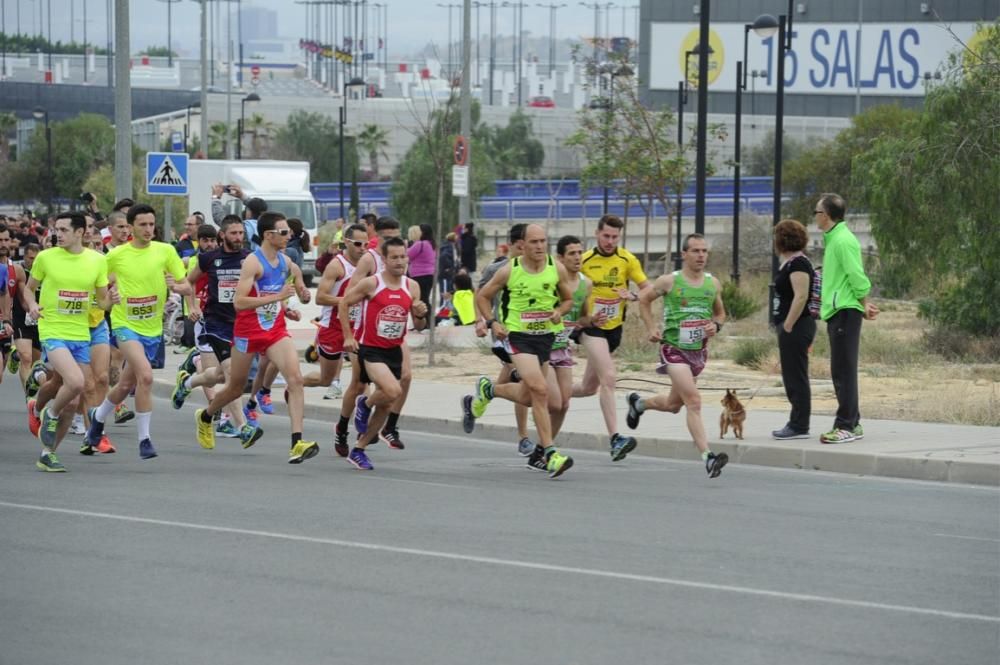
point(296, 437)
point(252, 404)
point(390, 423)
point(206, 417)
point(342, 424)
point(265, 391)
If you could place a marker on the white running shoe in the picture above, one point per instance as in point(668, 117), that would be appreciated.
point(335, 391)
point(77, 426)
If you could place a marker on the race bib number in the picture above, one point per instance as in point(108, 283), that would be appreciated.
point(610, 307)
point(71, 303)
point(391, 322)
point(141, 309)
point(535, 323)
point(562, 337)
point(354, 315)
point(269, 312)
point(692, 333)
point(227, 291)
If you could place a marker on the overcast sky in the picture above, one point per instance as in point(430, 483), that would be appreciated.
point(412, 23)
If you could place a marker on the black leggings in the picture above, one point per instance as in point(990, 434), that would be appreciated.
point(793, 349)
point(426, 283)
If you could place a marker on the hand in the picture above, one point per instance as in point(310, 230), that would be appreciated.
point(710, 329)
point(481, 328)
point(786, 327)
point(654, 335)
point(556, 317)
point(7, 330)
point(871, 311)
point(419, 309)
point(171, 282)
point(116, 297)
point(351, 345)
point(287, 292)
point(218, 190)
point(625, 294)
point(236, 190)
point(304, 295)
point(195, 313)
point(293, 314)
point(599, 319)
point(500, 330)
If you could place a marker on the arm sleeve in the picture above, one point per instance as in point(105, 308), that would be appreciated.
point(102, 274)
point(174, 264)
point(218, 212)
point(635, 272)
point(849, 255)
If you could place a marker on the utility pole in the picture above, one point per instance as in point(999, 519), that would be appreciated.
point(701, 161)
point(203, 18)
point(552, 34)
point(466, 101)
point(123, 103)
point(109, 63)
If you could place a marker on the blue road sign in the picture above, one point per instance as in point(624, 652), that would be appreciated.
point(176, 141)
point(167, 173)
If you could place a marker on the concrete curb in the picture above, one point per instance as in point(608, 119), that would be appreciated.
point(831, 459)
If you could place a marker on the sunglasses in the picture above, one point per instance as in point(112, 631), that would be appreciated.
point(356, 243)
point(280, 232)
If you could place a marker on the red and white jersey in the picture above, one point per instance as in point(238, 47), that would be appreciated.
point(379, 261)
point(385, 315)
point(328, 316)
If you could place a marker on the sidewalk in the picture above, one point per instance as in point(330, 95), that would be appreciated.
point(921, 451)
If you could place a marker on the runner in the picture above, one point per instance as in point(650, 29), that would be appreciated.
point(139, 291)
point(26, 342)
point(7, 287)
point(389, 296)
point(331, 290)
point(610, 268)
point(693, 313)
point(371, 264)
point(569, 252)
point(535, 297)
point(220, 269)
point(68, 274)
point(267, 278)
point(120, 232)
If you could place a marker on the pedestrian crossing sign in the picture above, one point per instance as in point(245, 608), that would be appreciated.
point(167, 173)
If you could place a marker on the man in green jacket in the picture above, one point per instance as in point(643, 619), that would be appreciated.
point(844, 303)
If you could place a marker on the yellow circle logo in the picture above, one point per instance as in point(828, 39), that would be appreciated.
point(972, 56)
point(715, 58)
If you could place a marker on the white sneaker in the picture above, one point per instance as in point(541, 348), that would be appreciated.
point(77, 426)
point(334, 391)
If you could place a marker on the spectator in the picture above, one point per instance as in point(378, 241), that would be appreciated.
point(412, 235)
point(796, 328)
point(463, 301)
point(844, 305)
point(423, 259)
point(187, 244)
point(298, 241)
point(469, 245)
point(369, 220)
point(446, 263)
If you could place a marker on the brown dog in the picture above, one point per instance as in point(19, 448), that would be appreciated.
point(733, 414)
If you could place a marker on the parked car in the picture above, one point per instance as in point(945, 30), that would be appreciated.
point(542, 102)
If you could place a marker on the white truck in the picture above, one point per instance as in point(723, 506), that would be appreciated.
point(283, 185)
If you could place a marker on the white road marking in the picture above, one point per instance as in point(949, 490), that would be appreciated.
point(951, 535)
point(529, 565)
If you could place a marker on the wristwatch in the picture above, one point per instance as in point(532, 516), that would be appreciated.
point(489, 323)
point(718, 326)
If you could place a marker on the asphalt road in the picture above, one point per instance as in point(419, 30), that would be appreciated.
point(452, 552)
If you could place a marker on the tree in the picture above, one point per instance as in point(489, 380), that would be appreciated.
point(514, 150)
point(372, 142)
point(315, 138)
point(759, 160)
point(931, 190)
point(260, 130)
point(8, 121)
point(219, 135)
point(158, 52)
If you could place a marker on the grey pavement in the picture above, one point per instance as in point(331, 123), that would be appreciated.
point(892, 448)
point(452, 552)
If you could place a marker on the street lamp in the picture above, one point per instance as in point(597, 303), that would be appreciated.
point(612, 71)
point(170, 53)
point(682, 98)
point(197, 109)
point(552, 32)
point(40, 113)
point(356, 84)
point(252, 97)
point(765, 26)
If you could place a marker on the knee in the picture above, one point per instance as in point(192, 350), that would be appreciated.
point(144, 378)
point(693, 403)
point(405, 377)
point(608, 377)
point(393, 392)
point(539, 391)
point(294, 380)
point(75, 384)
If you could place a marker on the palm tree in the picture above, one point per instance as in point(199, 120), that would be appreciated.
point(219, 135)
point(258, 127)
point(373, 140)
point(8, 121)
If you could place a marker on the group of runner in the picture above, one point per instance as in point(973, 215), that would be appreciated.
point(534, 304)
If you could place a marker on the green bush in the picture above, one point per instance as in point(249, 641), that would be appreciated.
point(739, 305)
point(752, 352)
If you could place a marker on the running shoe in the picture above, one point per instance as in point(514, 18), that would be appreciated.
point(77, 427)
point(14, 362)
point(858, 432)
point(47, 432)
point(788, 432)
point(205, 433)
point(249, 435)
point(632, 419)
point(302, 451)
point(468, 420)
point(146, 449)
point(33, 383)
point(714, 464)
point(105, 447)
point(537, 461)
point(264, 401)
point(187, 364)
point(837, 436)
point(96, 431)
point(360, 460)
point(49, 462)
point(558, 464)
point(87, 449)
point(34, 422)
point(123, 414)
point(525, 446)
point(391, 437)
point(227, 429)
point(340, 442)
point(181, 391)
point(361, 414)
point(484, 395)
point(335, 391)
point(250, 415)
point(621, 446)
